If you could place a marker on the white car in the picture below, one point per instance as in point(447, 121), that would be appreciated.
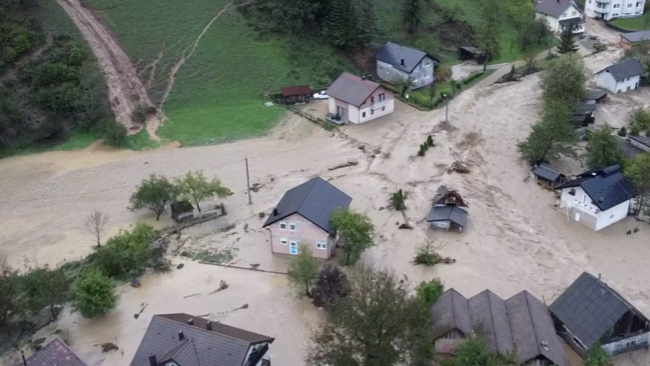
point(321, 95)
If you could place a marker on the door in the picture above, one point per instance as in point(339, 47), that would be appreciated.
point(577, 217)
point(342, 112)
point(293, 248)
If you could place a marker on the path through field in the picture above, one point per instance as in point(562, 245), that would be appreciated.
point(126, 90)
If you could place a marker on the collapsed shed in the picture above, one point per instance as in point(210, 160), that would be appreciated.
point(446, 212)
point(182, 211)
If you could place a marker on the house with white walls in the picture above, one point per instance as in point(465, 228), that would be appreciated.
point(610, 9)
point(397, 62)
point(621, 77)
point(598, 198)
point(560, 14)
point(353, 99)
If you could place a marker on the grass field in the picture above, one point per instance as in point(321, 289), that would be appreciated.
point(633, 24)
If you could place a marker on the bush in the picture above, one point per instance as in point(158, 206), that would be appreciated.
point(332, 284)
point(397, 200)
point(634, 131)
point(127, 254)
point(426, 255)
point(94, 295)
point(430, 291)
point(114, 134)
point(622, 132)
point(430, 141)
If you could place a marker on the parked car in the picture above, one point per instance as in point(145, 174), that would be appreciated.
point(321, 95)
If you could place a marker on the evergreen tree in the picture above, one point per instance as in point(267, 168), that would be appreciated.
point(564, 79)
point(411, 15)
point(367, 24)
point(552, 136)
point(602, 149)
point(490, 30)
point(341, 24)
point(567, 43)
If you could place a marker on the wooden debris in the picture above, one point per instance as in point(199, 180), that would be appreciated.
point(351, 162)
point(108, 347)
point(222, 286)
point(458, 167)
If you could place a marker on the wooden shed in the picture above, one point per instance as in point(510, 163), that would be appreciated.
point(296, 94)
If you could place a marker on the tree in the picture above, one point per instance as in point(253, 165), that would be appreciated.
point(367, 25)
point(10, 302)
point(429, 292)
point(332, 284)
point(194, 187)
point(443, 73)
point(567, 43)
point(114, 134)
point(411, 15)
point(564, 79)
point(490, 30)
point(45, 287)
point(403, 85)
point(154, 194)
point(597, 356)
point(95, 224)
point(638, 171)
point(475, 351)
point(552, 136)
point(303, 270)
point(602, 149)
point(639, 118)
point(378, 323)
point(94, 295)
point(295, 17)
point(356, 230)
point(341, 24)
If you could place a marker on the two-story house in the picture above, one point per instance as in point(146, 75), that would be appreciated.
point(621, 77)
point(590, 313)
point(187, 340)
point(598, 198)
point(559, 14)
point(358, 100)
point(397, 62)
point(609, 9)
point(303, 217)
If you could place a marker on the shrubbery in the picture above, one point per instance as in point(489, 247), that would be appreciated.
point(94, 294)
point(114, 133)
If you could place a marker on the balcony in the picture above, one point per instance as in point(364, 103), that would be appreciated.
point(379, 105)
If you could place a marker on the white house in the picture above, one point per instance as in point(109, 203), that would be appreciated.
point(357, 100)
point(395, 61)
point(598, 198)
point(621, 77)
point(608, 9)
point(560, 14)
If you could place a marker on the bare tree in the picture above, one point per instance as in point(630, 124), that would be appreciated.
point(95, 224)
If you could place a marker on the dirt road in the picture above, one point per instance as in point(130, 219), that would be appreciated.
point(126, 90)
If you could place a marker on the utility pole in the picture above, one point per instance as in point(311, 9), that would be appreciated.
point(248, 184)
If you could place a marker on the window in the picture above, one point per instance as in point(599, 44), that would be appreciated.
point(283, 226)
point(629, 5)
point(564, 14)
point(382, 97)
point(363, 115)
point(284, 241)
point(292, 226)
point(383, 109)
point(372, 99)
point(322, 246)
point(427, 63)
point(372, 111)
point(572, 192)
point(573, 13)
point(616, 6)
point(638, 4)
point(611, 217)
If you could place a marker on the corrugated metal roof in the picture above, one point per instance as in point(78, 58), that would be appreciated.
point(589, 308)
point(624, 69)
point(315, 200)
point(352, 89)
point(55, 353)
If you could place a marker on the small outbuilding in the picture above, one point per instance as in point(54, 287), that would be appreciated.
point(296, 94)
point(446, 212)
point(182, 211)
point(547, 175)
point(630, 39)
point(469, 53)
point(621, 77)
point(596, 96)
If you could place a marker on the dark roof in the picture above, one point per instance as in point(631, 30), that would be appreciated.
point(533, 330)
point(449, 212)
point(545, 172)
point(489, 316)
point(624, 69)
point(606, 187)
point(627, 148)
point(522, 324)
point(584, 109)
point(451, 311)
point(589, 308)
point(470, 49)
point(223, 345)
point(315, 200)
point(352, 89)
point(290, 91)
point(572, 21)
point(553, 8)
point(596, 94)
point(641, 139)
point(393, 53)
point(55, 353)
point(634, 37)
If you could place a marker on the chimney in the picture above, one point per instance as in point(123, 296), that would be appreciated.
point(190, 321)
point(275, 212)
point(208, 325)
point(599, 277)
point(152, 360)
point(402, 61)
point(181, 336)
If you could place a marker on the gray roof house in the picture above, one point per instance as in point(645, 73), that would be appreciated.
point(520, 325)
point(395, 62)
point(55, 353)
point(303, 216)
point(186, 340)
point(560, 14)
point(589, 312)
point(621, 77)
point(629, 39)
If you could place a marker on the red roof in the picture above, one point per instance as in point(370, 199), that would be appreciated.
point(290, 91)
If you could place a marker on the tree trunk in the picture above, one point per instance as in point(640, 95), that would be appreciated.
point(98, 242)
point(52, 311)
point(158, 215)
point(640, 205)
point(485, 62)
point(198, 207)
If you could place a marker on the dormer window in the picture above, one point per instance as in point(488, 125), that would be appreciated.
point(572, 192)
